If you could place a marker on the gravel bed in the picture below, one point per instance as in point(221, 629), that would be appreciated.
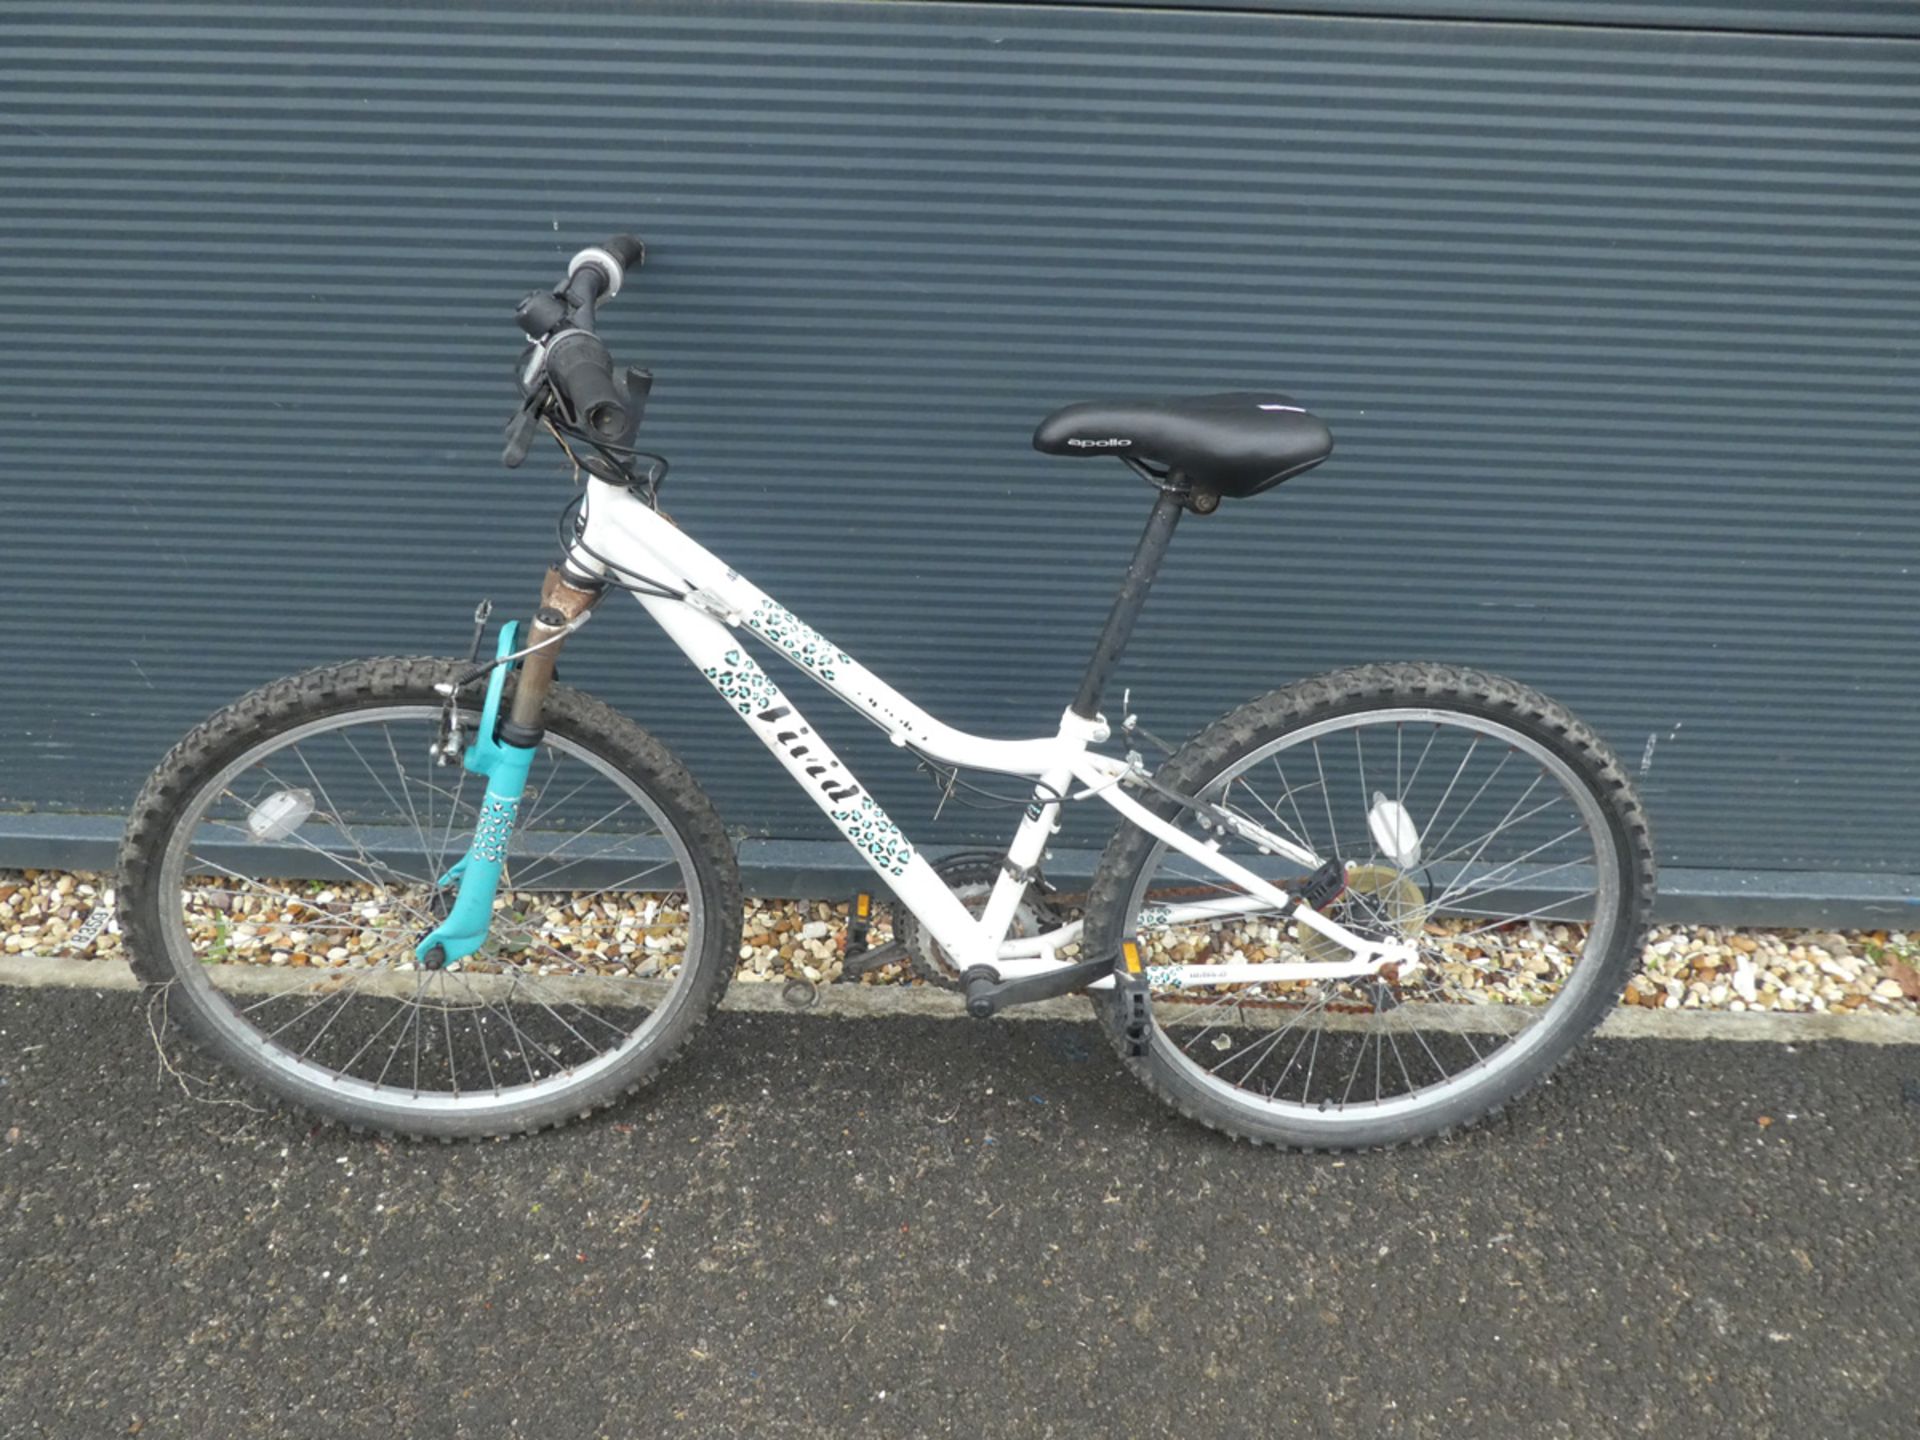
point(69, 915)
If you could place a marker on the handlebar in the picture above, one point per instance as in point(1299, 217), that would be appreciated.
point(569, 357)
point(610, 262)
point(629, 250)
point(581, 370)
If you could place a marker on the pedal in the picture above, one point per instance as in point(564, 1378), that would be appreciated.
point(856, 958)
point(859, 922)
point(1136, 1008)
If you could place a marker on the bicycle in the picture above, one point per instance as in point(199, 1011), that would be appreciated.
point(286, 890)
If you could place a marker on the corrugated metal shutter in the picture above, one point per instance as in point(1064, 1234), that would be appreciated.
point(1877, 18)
point(1615, 328)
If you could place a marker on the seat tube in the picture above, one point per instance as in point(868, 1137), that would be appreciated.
point(1132, 598)
point(1024, 855)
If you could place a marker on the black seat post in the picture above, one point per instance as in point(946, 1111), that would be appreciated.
point(1145, 564)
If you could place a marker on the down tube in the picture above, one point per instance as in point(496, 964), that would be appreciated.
point(813, 765)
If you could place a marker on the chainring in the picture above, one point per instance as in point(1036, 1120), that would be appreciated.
point(971, 877)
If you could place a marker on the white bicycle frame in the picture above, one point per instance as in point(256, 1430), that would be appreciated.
point(623, 537)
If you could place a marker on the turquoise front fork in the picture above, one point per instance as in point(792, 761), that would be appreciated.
point(477, 872)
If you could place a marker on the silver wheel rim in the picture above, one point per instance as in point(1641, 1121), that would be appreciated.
point(477, 993)
point(1304, 744)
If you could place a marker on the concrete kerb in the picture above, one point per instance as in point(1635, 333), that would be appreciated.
point(882, 1002)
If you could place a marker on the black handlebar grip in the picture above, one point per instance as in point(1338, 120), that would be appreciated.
point(628, 250)
point(582, 371)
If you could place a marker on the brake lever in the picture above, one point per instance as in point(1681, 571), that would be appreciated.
point(520, 431)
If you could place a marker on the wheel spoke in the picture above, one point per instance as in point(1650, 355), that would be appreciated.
point(1447, 794)
point(1288, 795)
point(1473, 800)
point(386, 794)
point(1326, 796)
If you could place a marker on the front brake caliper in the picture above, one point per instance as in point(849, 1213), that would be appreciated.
point(477, 873)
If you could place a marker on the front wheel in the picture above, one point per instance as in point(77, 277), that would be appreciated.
point(1473, 817)
point(285, 859)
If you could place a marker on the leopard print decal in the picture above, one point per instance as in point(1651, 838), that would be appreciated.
point(1154, 917)
point(743, 682)
point(494, 828)
point(868, 827)
point(796, 639)
point(860, 819)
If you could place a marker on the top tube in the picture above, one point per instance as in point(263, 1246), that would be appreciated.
point(639, 541)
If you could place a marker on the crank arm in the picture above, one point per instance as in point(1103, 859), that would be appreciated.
point(867, 961)
point(987, 993)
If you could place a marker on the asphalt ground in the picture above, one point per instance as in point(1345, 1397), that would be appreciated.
point(905, 1227)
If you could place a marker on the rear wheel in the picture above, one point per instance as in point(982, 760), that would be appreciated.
point(1473, 817)
point(282, 863)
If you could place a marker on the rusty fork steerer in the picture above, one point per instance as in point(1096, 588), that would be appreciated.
point(561, 607)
